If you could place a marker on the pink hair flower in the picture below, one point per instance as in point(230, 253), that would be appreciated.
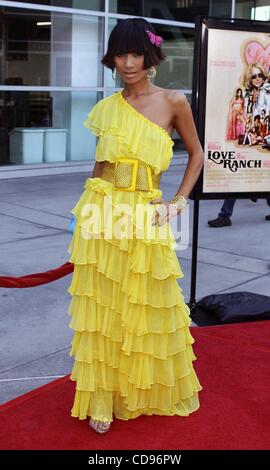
point(156, 40)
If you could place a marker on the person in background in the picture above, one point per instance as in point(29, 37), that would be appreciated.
point(224, 217)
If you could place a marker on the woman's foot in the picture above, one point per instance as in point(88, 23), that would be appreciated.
point(100, 426)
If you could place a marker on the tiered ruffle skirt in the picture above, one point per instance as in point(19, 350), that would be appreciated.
point(132, 344)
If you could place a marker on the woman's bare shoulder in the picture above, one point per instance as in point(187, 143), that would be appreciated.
point(177, 102)
point(176, 97)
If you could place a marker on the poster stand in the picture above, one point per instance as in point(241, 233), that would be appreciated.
point(240, 177)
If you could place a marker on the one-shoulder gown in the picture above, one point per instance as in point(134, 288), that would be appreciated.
point(132, 343)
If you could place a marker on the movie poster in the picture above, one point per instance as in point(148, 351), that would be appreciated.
point(237, 115)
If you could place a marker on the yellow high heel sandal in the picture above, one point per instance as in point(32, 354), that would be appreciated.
point(100, 426)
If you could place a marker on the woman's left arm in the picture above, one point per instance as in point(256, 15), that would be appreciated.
point(185, 126)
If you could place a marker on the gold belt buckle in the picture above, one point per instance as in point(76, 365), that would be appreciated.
point(127, 178)
point(123, 175)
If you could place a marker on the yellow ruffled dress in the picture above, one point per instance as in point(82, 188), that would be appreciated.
point(132, 344)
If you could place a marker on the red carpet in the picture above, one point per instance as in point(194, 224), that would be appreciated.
point(233, 367)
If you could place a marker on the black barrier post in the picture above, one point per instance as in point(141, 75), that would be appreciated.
point(192, 301)
point(198, 105)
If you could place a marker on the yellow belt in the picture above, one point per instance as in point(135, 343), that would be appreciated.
point(128, 174)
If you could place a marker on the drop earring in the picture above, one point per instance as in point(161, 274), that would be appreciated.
point(114, 74)
point(151, 72)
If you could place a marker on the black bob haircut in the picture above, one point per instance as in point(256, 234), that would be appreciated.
point(129, 35)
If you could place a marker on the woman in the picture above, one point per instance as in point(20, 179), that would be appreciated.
point(132, 345)
point(258, 125)
point(263, 121)
point(253, 82)
point(236, 116)
point(247, 135)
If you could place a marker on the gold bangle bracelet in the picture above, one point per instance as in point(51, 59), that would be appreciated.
point(179, 201)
